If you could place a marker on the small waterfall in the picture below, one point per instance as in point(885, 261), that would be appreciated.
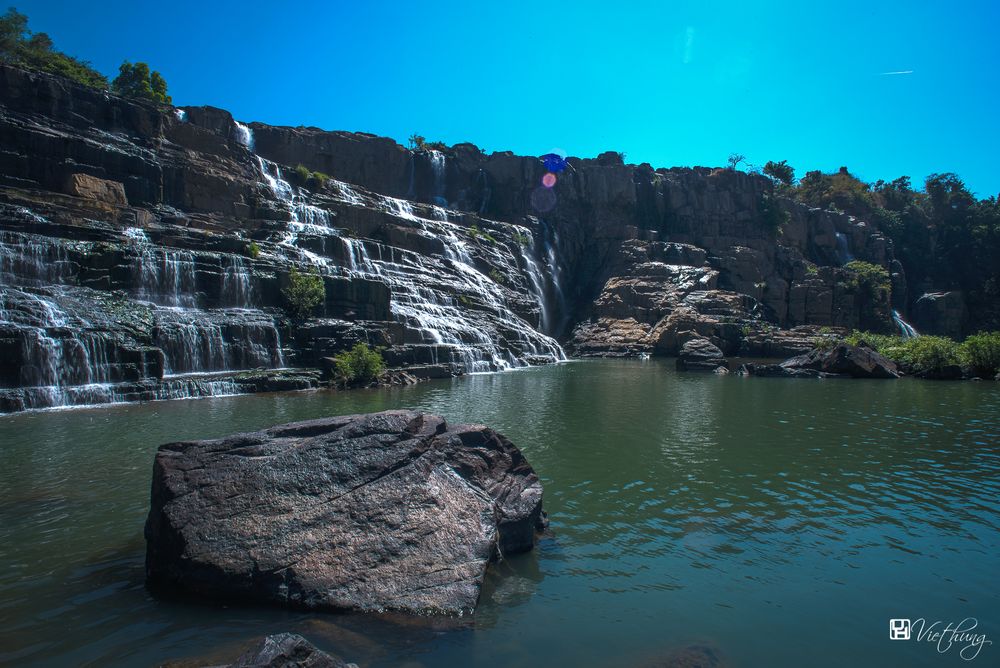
point(550, 238)
point(165, 277)
point(31, 259)
point(57, 351)
point(906, 330)
point(844, 254)
point(243, 135)
point(535, 280)
point(485, 191)
point(237, 289)
point(182, 116)
point(438, 166)
point(202, 341)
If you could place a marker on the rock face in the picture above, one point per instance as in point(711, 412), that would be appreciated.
point(288, 650)
point(139, 244)
point(700, 355)
point(844, 359)
point(388, 511)
point(941, 313)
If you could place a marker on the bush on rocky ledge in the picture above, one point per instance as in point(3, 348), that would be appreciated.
point(979, 353)
point(304, 292)
point(360, 364)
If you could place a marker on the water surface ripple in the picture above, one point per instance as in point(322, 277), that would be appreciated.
point(782, 522)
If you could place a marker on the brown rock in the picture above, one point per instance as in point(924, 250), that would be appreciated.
point(101, 190)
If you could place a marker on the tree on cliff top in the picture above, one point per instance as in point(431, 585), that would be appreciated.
point(135, 80)
point(36, 51)
point(781, 172)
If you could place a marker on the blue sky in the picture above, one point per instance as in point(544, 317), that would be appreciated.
point(669, 83)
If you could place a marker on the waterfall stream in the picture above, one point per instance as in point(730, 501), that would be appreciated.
point(906, 330)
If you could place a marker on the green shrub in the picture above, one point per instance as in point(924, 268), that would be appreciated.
point(869, 276)
point(874, 288)
point(474, 231)
point(319, 179)
point(136, 80)
point(780, 172)
point(982, 352)
point(521, 239)
point(36, 51)
point(304, 292)
point(772, 216)
point(253, 250)
point(310, 179)
point(919, 354)
point(497, 277)
point(928, 353)
point(360, 364)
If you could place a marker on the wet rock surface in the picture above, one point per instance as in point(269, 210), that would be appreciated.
point(381, 512)
point(700, 355)
point(287, 650)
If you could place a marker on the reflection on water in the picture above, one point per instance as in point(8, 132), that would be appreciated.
point(774, 521)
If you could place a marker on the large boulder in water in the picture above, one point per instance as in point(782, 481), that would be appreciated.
point(387, 511)
point(700, 355)
point(855, 361)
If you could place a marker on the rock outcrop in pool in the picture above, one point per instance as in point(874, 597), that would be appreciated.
point(392, 511)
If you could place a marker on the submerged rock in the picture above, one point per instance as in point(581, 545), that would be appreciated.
point(387, 511)
point(288, 650)
point(780, 371)
point(700, 355)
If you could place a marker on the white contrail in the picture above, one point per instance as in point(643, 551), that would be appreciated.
point(890, 74)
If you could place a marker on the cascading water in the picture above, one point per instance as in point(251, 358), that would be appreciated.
point(448, 317)
point(237, 287)
point(438, 166)
point(906, 330)
point(550, 243)
point(843, 249)
point(244, 135)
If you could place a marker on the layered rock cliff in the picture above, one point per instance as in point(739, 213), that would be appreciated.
point(143, 252)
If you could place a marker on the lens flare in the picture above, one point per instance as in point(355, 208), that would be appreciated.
point(553, 162)
point(549, 180)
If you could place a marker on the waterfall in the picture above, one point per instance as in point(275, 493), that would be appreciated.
point(906, 330)
point(451, 310)
point(161, 276)
point(484, 191)
point(208, 341)
point(844, 254)
point(550, 242)
point(440, 184)
point(237, 289)
point(182, 116)
point(244, 135)
point(535, 280)
point(31, 259)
